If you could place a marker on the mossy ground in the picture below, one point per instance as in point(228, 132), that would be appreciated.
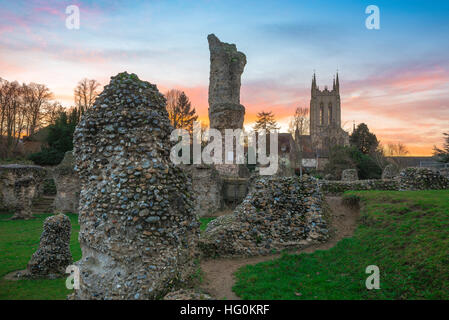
point(406, 234)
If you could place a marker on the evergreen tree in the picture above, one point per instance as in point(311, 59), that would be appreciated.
point(180, 110)
point(186, 115)
point(265, 120)
point(365, 141)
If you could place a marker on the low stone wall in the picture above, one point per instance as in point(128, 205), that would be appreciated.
point(422, 179)
point(278, 213)
point(68, 186)
point(337, 187)
point(408, 179)
point(19, 184)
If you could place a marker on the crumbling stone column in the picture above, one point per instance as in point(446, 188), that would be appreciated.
point(138, 230)
point(19, 185)
point(225, 110)
point(67, 185)
point(53, 255)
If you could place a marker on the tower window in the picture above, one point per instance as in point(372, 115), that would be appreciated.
point(330, 113)
point(321, 114)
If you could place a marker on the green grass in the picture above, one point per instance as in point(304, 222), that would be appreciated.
point(204, 221)
point(406, 234)
point(19, 239)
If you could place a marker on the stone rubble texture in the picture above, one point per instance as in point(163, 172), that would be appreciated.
point(278, 213)
point(67, 185)
point(338, 187)
point(349, 175)
point(19, 185)
point(138, 230)
point(53, 255)
point(187, 294)
point(422, 179)
point(408, 179)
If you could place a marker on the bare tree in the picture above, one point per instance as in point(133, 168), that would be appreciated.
point(299, 122)
point(85, 94)
point(35, 97)
point(395, 152)
point(51, 112)
point(21, 112)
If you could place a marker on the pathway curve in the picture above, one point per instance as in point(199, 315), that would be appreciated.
point(219, 273)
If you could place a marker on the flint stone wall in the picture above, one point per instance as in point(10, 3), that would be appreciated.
point(19, 185)
point(422, 179)
point(337, 187)
point(207, 186)
point(349, 175)
point(138, 230)
point(279, 213)
point(53, 255)
point(67, 185)
point(408, 179)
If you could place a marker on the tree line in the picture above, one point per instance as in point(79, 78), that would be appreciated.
point(27, 108)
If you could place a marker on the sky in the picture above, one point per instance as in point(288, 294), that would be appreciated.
point(395, 79)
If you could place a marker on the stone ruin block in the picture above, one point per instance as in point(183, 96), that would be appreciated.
point(390, 171)
point(349, 175)
point(207, 186)
point(19, 185)
point(138, 230)
point(422, 179)
point(278, 213)
point(67, 185)
point(225, 111)
point(53, 255)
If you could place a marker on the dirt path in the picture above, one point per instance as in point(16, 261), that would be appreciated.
point(219, 273)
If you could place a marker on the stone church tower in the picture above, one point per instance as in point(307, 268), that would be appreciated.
point(325, 118)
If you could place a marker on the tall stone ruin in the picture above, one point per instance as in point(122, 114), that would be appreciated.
point(138, 231)
point(225, 110)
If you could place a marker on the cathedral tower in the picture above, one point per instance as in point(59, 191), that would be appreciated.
point(325, 118)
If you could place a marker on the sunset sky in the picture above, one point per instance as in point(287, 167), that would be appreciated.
point(395, 79)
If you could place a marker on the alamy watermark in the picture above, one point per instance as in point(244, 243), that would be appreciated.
point(73, 19)
point(234, 148)
point(373, 281)
point(73, 280)
point(373, 20)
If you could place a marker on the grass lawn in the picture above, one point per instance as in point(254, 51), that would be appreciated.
point(19, 239)
point(406, 234)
